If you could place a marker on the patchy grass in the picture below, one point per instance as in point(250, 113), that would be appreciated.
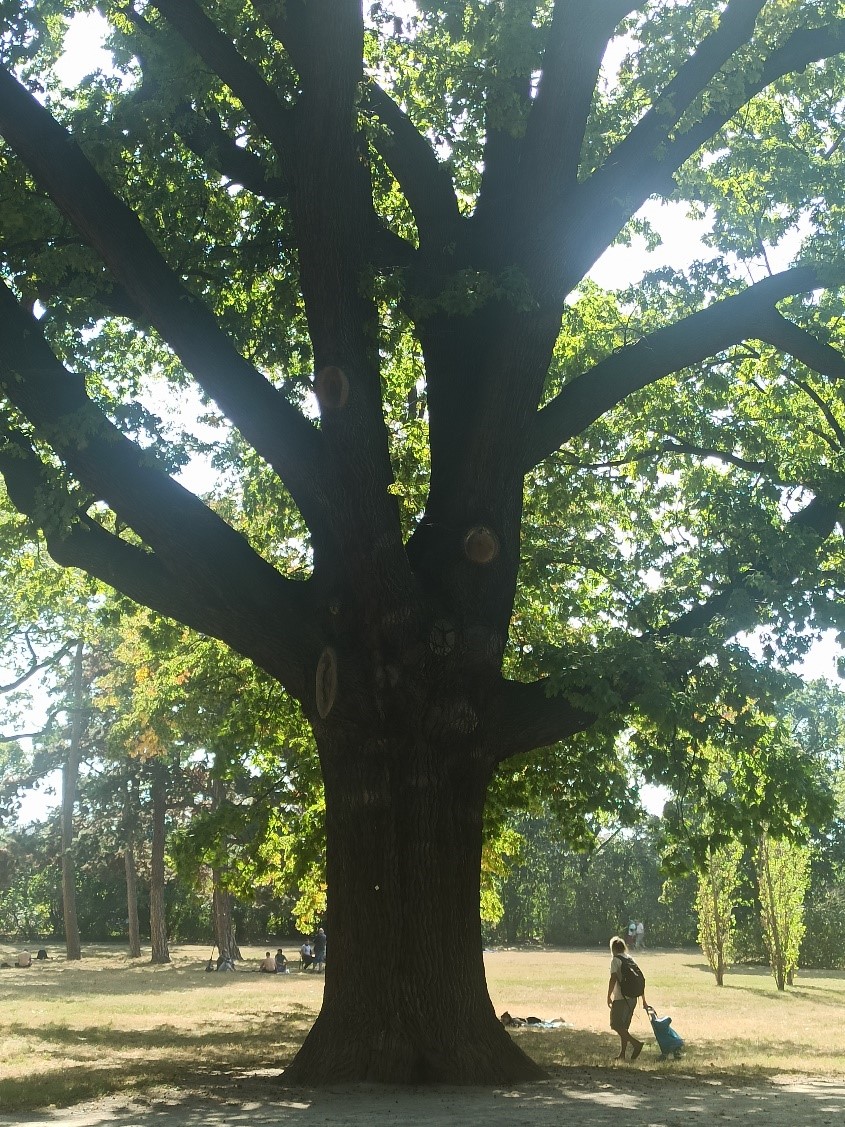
point(77, 1031)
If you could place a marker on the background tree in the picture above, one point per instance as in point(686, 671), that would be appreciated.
point(718, 885)
point(783, 869)
point(508, 511)
point(70, 778)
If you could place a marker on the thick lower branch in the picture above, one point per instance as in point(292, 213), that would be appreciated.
point(273, 426)
point(525, 716)
point(196, 582)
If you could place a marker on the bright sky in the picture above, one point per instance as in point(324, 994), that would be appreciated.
point(618, 266)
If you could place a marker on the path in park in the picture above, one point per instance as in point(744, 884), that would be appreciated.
point(583, 1099)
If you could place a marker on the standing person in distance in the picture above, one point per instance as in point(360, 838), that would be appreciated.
point(626, 985)
point(306, 957)
point(319, 949)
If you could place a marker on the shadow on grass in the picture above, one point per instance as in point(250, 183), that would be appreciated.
point(823, 995)
point(128, 1061)
point(74, 1084)
point(585, 1096)
point(558, 1051)
point(192, 1042)
point(137, 978)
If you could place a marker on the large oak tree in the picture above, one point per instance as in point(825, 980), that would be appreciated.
point(473, 507)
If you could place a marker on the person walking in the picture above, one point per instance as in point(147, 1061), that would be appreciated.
point(622, 1002)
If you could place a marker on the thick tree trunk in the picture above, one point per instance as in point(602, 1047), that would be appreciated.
point(224, 924)
point(221, 899)
point(132, 901)
point(405, 997)
point(158, 923)
point(70, 776)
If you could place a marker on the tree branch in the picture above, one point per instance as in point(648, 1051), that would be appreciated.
point(526, 715)
point(578, 36)
point(837, 443)
point(333, 216)
point(750, 314)
point(188, 538)
point(35, 666)
point(212, 144)
point(295, 25)
point(424, 181)
point(602, 204)
point(273, 426)
point(217, 51)
point(170, 585)
point(735, 28)
point(797, 342)
point(805, 46)
point(761, 469)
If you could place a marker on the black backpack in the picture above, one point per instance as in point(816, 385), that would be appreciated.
point(633, 979)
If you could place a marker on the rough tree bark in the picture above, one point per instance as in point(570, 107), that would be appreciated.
point(221, 899)
point(70, 776)
point(158, 920)
point(224, 924)
point(404, 851)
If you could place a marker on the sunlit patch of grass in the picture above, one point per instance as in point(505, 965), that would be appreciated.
point(109, 1024)
point(745, 1028)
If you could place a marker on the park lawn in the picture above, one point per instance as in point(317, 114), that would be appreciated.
point(744, 1028)
point(76, 1031)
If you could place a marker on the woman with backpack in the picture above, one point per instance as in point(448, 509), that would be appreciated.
point(626, 985)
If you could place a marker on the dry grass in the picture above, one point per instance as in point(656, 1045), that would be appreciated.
point(745, 1027)
point(74, 1031)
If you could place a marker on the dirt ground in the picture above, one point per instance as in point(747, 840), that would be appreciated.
point(586, 1098)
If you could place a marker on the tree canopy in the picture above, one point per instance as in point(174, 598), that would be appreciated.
point(469, 504)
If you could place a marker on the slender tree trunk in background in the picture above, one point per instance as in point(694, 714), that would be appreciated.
point(70, 775)
point(771, 922)
point(158, 923)
point(132, 901)
point(717, 927)
point(129, 814)
point(404, 854)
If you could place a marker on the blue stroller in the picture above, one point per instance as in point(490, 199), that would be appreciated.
point(668, 1041)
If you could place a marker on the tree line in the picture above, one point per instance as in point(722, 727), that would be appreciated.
point(192, 810)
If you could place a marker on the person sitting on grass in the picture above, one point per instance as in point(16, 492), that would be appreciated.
point(621, 1008)
point(267, 965)
point(281, 962)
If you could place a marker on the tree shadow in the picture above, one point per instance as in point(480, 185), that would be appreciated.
point(139, 1059)
point(297, 1018)
point(137, 978)
point(588, 1097)
point(824, 995)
